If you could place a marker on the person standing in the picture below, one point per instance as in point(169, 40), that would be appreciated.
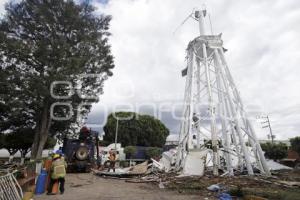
point(58, 173)
point(112, 161)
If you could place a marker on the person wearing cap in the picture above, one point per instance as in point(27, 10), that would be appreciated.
point(58, 173)
point(60, 153)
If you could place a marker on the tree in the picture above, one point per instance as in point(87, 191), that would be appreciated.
point(10, 143)
point(135, 130)
point(295, 144)
point(274, 151)
point(22, 141)
point(130, 151)
point(43, 41)
point(50, 143)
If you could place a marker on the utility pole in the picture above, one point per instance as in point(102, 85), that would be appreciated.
point(267, 124)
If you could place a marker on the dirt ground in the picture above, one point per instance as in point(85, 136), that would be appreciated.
point(276, 187)
point(91, 187)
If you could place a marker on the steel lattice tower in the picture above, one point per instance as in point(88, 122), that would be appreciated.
point(215, 122)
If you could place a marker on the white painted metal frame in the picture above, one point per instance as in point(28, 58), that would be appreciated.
point(213, 105)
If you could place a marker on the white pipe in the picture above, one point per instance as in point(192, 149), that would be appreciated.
point(201, 22)
point(191, 102)
point(222, 117)
point(198, 99)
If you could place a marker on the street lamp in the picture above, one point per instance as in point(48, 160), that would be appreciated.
point(116, 133)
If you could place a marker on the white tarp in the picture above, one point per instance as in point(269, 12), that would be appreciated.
point(276, 166)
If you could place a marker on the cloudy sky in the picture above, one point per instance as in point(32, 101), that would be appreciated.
point(264, 56)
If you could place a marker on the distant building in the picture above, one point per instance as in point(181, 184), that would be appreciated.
point(292, 160)
point(172, 139)
point(172, 142)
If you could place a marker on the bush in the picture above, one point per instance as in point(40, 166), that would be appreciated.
point(130, 151)
point(274, 151)
point(153, 152)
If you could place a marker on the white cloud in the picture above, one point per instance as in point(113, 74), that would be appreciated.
point(2, 7)
point(262, 38)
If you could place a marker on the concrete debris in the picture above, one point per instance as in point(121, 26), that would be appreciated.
point(211, 186)
point(168, 160)
point(158, 165)
point(196, 161)
point(139, 169)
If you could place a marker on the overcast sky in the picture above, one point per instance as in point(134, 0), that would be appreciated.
point(262, 38)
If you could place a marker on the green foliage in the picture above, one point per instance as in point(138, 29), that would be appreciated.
point(22, 140)
point(135, 130)
point(50, 143)
point(208, 144)
point(295, 144)
point(44, 41)
point(274, 151)
point(10, 143)
point(130, 151)
point(152, 152)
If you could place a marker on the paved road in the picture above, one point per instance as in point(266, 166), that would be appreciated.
point(91, 187)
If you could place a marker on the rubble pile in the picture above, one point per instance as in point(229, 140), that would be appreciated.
point(282, 182)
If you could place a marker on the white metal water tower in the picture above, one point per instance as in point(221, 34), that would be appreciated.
point(215, 125)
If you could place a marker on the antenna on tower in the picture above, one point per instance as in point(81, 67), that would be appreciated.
point(183, 22)
point(198, 15)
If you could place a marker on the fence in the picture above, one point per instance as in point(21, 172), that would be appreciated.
point(10, 188)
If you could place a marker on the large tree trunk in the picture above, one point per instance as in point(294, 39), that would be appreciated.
point(10, 158)
point(40, 138)
point(22, 152)
point(41, 134)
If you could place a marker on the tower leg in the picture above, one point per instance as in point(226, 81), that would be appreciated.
point(222, 116)
point(234, 114)
point(262, 159)
point(214, 139)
